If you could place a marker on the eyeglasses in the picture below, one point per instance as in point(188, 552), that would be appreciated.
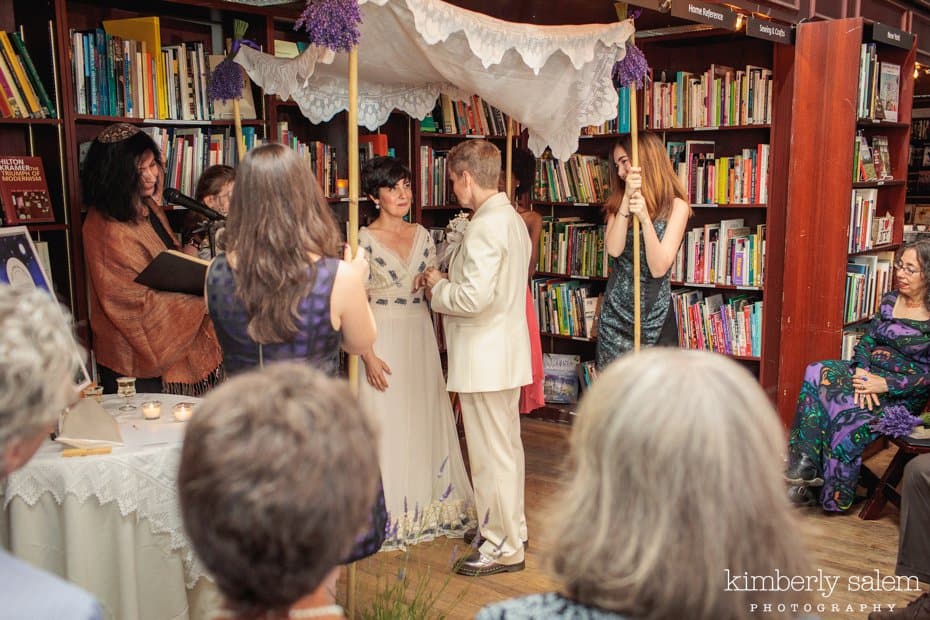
point(911, 271)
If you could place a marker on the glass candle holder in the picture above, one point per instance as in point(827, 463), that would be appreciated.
point(126, 388)
point(183, 411)
point(151, 410)
point(95, 392)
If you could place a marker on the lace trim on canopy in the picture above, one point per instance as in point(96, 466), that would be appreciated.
point(490, 38)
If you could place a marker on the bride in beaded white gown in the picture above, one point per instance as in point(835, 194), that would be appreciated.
point(426, 488)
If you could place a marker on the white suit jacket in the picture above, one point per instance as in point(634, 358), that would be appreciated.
point(484, 302)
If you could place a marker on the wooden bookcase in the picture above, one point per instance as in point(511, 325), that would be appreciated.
point(819, 189)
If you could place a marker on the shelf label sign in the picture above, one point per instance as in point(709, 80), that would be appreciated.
point(770, 31)
point(712, 14)
point(892, 36)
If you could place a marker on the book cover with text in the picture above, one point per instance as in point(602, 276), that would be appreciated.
point(23, 191)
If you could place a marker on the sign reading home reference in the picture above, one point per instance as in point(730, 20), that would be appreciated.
point(712, 14)
point(770, 31)
point(892, 36)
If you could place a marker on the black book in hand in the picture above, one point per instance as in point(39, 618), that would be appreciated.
point(175, 272)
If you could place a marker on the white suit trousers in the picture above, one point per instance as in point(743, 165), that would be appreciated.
point(498, 470)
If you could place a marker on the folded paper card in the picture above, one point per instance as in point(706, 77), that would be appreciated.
point(88, 425)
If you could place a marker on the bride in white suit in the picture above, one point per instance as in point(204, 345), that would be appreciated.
point(483, 299)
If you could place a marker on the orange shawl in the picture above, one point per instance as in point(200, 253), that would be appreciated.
point(138, 331)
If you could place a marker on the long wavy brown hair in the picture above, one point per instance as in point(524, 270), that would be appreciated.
point(278, 217)
point(660, 183)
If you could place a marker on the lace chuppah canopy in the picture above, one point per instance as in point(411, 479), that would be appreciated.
point(554, 80)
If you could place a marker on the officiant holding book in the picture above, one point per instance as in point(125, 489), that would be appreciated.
point(164, 339)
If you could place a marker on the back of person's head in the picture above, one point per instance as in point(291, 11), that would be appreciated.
point(110, 174)
point(480, 158)
point(38, 353)
point(278, 475)
point(675, 479)
point(213, 180)
point(278, 216)
point(380, 172)
point(523, 166)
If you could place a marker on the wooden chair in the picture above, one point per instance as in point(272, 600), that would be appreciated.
point(884, 489)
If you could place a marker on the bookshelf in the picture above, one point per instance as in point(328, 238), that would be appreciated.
point(821, 189)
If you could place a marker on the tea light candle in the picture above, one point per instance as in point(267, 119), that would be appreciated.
point(151, 410)
point(183, 411)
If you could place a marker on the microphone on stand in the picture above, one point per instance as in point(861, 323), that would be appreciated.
point(175, 197)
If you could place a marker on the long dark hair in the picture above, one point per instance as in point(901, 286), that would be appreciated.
point(277, 217)
point(110, 175)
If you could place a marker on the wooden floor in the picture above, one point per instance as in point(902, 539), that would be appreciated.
point(841, 545)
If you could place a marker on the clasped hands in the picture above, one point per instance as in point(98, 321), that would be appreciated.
point(428, 279)
point(867, 387)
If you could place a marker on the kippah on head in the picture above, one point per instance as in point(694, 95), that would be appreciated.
point(117, 132)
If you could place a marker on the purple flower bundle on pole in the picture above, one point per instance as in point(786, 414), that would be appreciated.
point(633, 69)
point(331, 23)
point(226, 81)
point(896, 421)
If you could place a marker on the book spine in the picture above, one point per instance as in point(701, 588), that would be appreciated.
point(46, 101)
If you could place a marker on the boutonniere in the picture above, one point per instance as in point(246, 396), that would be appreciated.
point(455, 232)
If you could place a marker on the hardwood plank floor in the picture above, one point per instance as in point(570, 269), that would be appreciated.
point(843, 546)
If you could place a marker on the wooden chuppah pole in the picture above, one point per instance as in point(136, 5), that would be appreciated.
point(637, 267)
point(508, 168)
point(352, 577)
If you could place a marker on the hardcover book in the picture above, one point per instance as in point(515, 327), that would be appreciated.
point(23, 191)
point(888, 89)
point(175, 272)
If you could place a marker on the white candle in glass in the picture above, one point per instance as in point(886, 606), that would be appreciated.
point(183, 412)
point(151, 410)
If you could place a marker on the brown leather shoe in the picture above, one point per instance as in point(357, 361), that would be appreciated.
point(472, 533)
point(480, 565)
point(918, 609)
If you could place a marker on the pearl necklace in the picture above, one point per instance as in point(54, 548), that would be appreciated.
point(317, 612)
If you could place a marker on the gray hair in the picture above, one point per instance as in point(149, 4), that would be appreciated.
point(675, 479)
point(37, 357)
point(278, 476)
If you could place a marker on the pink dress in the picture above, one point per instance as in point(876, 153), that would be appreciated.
point(531, 396)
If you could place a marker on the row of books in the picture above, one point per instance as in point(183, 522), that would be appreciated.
point(320, 156)
point(22, 94)
point(879, 86)
point(565, 307)
point(725, 252)
point(866, 229)
point(871, 162)
point(720, 96)
point(435, 189)
point(732, 327)
point(472, 117)
point(573, 247)
point(619, 125)
point(582, 178)
point(188, 151)
point(868, 278)
point(738, 179)
point(116, 76)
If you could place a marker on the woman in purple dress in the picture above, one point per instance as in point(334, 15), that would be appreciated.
point(840, 399)
point(279, 291)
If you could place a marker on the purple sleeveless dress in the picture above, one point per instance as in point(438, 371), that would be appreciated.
point(316, 341)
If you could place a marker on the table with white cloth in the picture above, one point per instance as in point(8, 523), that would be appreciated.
point(111, 523)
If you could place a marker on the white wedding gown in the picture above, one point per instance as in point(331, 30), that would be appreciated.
point(426, 488)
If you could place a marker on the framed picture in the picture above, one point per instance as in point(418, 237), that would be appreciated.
point(20, 266)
